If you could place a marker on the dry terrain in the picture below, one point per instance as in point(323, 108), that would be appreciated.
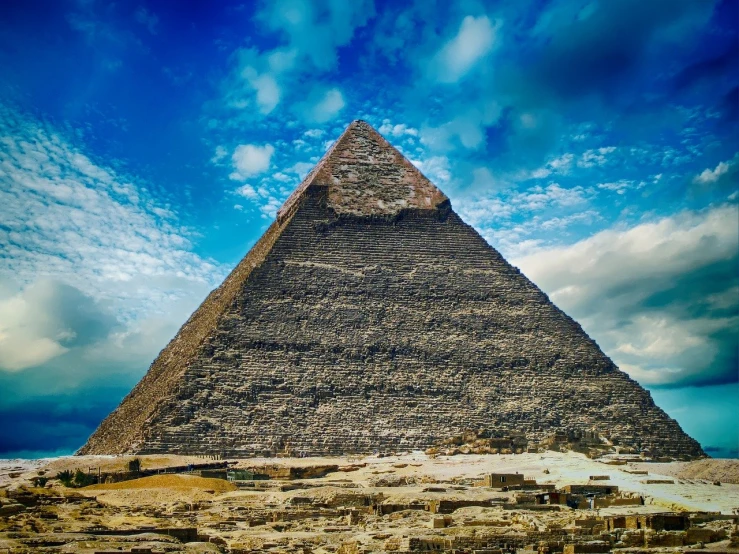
point(407, 503)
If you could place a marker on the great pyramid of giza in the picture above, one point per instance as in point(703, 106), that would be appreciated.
point(370, 317)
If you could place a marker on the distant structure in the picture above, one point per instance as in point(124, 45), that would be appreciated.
point(370, 317)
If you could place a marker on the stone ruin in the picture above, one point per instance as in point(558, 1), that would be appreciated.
point(370, 317)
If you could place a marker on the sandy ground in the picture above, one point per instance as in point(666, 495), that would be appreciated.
point(167, 482)
point(420, 470)
point(563, 468)
point(726, 471)
point(295, 515)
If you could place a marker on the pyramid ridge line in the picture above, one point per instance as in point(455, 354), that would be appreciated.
point(159, 383)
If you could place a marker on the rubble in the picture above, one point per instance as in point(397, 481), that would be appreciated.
point(463, 511)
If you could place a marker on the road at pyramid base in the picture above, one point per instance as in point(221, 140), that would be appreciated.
point(370, 317)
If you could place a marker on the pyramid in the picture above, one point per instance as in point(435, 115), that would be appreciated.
point(370, 317)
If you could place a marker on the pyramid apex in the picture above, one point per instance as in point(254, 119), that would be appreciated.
point(366, 176)
point(357, 124)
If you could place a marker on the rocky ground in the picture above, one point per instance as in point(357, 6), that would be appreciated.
point(407, 503)
point(726, 471)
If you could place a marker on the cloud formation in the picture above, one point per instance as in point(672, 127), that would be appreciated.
point(662, 298)
point(250, 160)
point(322, 106)
point(86, 225)
point(315, 30)
point(475, 39)
point(724, 172)
point(309, 34)
point(96, 276)
point(47, 319)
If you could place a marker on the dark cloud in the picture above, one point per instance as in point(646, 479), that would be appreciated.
point(728, 106)
point(721, 452)
point(723, 64)
point(59, 424)
point(69, 313)
point(53, 397)
point(46, 320)
point(594, 49)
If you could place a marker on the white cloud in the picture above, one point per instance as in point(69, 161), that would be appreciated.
point(247, 191)
point(309, 35)
point(90, 228)
point(301, 168)
point(711, 176)
point(480, 211)
point(595, 157)
point(255, 80)
point(468, 127)
point(560, 165)
point(268, 92)
point(653, 295)
point(314, 133)
point(315, 30)
point(271, 192)
point(323, 106)
point(44, 321)
point(473, 41)
point(620, 187)
point(436, 168)
point(540, 173)
point(397, 131)
point(269, 209)
point(484, 180)
point(537, 197)
point(250, 160)
point(586, 217)
point(219, 154)
point(512, 220)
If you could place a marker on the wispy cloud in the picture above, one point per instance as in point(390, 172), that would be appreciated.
point(723, 171)
point(322, 105)
point(71, 225)
point(147, 19)
point(308, 36)
point(473, 41)
point(250, 160)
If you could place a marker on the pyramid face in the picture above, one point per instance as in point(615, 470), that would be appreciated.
point(370, 317)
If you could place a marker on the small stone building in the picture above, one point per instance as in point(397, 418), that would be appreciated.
point(503, 480)
point(656, 522)
point(590, 489)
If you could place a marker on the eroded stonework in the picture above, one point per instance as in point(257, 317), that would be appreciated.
point(364, 175)
point(371, 317)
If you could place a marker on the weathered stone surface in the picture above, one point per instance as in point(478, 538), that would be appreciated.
point(371, 317)
point(365, 176)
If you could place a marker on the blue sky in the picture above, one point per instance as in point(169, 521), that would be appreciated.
point(147, 145)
